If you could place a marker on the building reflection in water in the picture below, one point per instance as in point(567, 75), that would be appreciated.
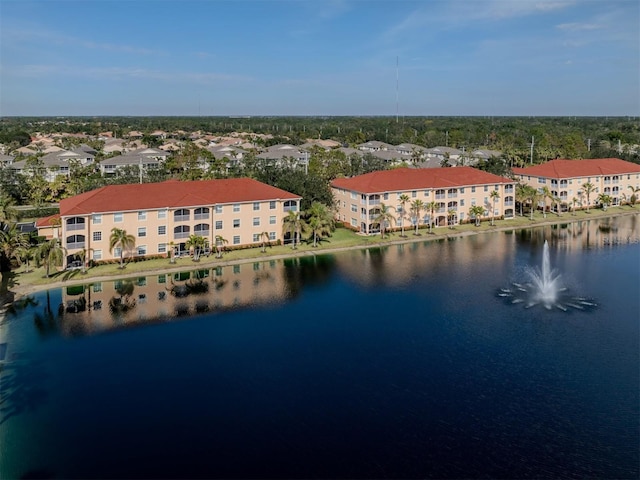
point(102, 306)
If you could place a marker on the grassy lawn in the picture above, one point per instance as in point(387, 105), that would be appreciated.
point(341, 239)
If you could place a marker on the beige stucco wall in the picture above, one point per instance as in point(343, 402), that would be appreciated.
point(457, 198)
point(144, 226)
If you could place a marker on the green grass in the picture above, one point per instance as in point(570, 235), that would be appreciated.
point(342, 238)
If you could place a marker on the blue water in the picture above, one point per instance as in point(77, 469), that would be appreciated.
point(399, 362)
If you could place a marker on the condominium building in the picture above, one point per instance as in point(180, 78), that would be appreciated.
point(163, 215)
point(565, 179)
point(454, 191)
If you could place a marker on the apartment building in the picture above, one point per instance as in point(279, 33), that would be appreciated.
point(565, 179)
point(454, 190)
point(163, 215)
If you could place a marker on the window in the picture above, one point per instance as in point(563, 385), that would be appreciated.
point(236, 269)
point(272, 220)
point(181, 215)
point(256, 237)
point(117, 251)
point(162, 278)
point(218, 224)
point(218, 208)
point(236, 223)
point(201, 213)
point(462, 190)
point(426, 193)
point(142, 231)
point(236, 239)
point(117, 217)
point(256, 221)
point(97, 254)
point(473, 189)
point(272, 205)
point(97, 236)
point(142, 250)
point(256, 206)
point(162, 214)
point(141, 282)
point(181, 231)
point(354, 208)
point(486, 188)
point(97, 219)
point(386, 196)
point(272, 236)
point(291, 205)
point(97, 287)
point(162, 248)
point(201, 229)
point(162, 230)
point(354, 222)
point(236, 207)
point(414, 194)
point(142, 216)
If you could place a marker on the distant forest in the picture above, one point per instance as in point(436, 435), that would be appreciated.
point(553, 137)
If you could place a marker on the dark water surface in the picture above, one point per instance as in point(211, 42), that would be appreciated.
point(400, 362)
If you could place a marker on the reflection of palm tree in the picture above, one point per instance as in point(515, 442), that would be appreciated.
point(125, 301)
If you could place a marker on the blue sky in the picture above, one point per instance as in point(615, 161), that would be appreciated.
point(319, 57)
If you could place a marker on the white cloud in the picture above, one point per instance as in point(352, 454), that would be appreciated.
point(575, 27)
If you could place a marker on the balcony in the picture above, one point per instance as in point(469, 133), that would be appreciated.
point(509, 203)
point(181, 218)
point(374, 202)
point(202, 233)
point(75, 226)
point(200, 216)
point(440, 196)
point(452, 195)
point(75, 245)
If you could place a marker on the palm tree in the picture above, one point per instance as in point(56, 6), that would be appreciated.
point(605, 200)
point(292, 224)
point(383, 218)
point(416, 208)
point(495, 196)
point(522, 196)
point(431, 208)
point(574, 201)
point(634, 197)
point(50, 254)
point(264, 241)
point(25, 254)
point(220, 243)
point(121, 239)
point(196, 242)
point(546, 193)
point(588, 188)
point(451, 214)
point(476, 211)
point(319, 221)
point(7, 209)
point(533, 197)
point(404, 199)
point(172, 252)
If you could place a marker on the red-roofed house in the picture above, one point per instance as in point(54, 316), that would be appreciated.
point(565, 179)
point(457, 189)
point(158, 214)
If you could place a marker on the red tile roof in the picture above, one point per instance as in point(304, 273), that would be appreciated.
point(171, 194)
point(47, 221)
point(580, 168)
point(403, 179)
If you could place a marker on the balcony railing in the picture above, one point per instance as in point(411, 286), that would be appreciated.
point(181, 218)
point(374, 202)
point(440, 196)
point(75, 226)
point(181, 235)
point(75, 245)
point(508, 203)
point(200, 216)
point(202, 233)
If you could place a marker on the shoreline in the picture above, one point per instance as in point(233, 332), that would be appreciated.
point(15, 293)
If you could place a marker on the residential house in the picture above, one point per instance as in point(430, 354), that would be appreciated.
point(277, 154)
point(443, 153)
point(374, 146)
point(565, 180)
point(163, 215)
point(56, 163)
point(454, 190)
point(148, 158)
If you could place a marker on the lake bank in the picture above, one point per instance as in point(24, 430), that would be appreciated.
point(75, 277)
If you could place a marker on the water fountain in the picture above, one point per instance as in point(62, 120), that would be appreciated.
point(544, 288)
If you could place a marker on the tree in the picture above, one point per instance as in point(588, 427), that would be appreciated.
point(172, 252)
point(292, 224)
point(24, 254)
point(633, 198)
point(495, 196)
point(383, 218)
point(431, 207)
point(451, 215)
point(605, 200)
point(11, 239)
point(220, 243)
point(476, 211)
point(533, 196)
point(404, 199)
point(121, 239)
point(7, 209)
point(416, 209)
point(197, 243)
point(51, 254)
point(545, 194)
point(319, 220)
point(574, 201)
point(264, 241)
point(588, 188)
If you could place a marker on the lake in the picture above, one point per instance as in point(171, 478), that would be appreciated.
point(407, 361)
